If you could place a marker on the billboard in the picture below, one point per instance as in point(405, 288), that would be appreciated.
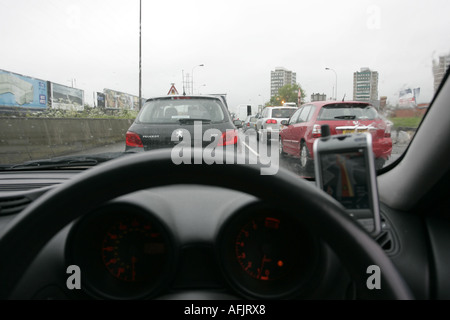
point(119, 100)
point(408, 98)
point(66, 98)
point(20, 91)
point(101, 100)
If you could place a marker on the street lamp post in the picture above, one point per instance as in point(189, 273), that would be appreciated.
point(192, 76)
point(335, 96)
point(140, 54)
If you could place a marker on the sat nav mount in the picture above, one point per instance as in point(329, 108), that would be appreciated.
point(345, 169)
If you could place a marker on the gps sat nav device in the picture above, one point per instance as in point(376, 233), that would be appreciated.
point(345, 169)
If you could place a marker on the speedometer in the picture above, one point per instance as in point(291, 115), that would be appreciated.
point(123, 251)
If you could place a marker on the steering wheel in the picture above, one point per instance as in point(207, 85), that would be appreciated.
point(27, 233)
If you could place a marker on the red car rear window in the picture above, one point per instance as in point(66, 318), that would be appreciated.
point(347, 111)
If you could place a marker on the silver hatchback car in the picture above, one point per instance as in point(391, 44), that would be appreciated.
point(270, 120)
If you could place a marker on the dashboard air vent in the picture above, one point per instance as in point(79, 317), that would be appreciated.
point(386, 237)
point(12, 205)
point(24, 187)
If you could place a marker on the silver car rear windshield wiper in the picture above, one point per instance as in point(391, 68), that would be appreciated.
point(64, 162)
point(350, 117)
point(192, 120)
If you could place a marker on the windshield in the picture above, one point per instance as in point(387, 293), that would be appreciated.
point(172, 110)
point(77, 76)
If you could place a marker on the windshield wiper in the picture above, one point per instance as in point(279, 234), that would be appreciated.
point(64, 162)
point(350, 117)
point(192, 120)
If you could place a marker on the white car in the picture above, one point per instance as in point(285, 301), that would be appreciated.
point(270, 119)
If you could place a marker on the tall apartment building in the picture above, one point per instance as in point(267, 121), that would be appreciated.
point(279, 78)
point(365, 85)
point(439, 69)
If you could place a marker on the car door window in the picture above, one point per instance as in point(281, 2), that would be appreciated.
point(311, 113)
point(294, 117)
point(304, 114)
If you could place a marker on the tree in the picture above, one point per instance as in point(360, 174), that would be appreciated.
point(288, 93)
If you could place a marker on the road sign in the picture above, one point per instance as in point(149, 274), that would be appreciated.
point(172, 90)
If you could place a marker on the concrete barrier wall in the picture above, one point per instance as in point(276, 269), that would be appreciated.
point(23, 139)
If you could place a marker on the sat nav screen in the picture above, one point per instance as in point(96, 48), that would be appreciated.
point(344, 177)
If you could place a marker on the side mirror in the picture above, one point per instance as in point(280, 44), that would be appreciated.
point(284, 122)
point(238, 123)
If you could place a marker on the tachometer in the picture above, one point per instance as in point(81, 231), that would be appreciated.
point(268, 253)
point(263, 249)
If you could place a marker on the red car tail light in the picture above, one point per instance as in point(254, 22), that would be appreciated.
point(228, 137)
point(133, 140)
point(387, 132)
point(317, 131)
point(271, 121)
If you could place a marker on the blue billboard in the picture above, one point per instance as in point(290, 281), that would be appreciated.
point(20, 91)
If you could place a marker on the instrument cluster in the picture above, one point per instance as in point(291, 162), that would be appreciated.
point(260, 251)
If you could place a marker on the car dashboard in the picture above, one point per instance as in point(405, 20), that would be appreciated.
point(182, 242)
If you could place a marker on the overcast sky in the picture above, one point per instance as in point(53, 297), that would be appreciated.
point(96, 42)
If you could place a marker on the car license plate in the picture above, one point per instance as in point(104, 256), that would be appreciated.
point(353, 131)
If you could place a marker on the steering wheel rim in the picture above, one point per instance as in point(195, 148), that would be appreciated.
point(27, 233)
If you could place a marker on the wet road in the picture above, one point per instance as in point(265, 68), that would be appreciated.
point(252, 147)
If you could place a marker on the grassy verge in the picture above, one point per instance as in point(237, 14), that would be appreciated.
point(412, 122)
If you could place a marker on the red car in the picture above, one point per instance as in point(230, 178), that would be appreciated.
point(297, 135)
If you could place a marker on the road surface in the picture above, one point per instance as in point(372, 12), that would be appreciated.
point(288, 163)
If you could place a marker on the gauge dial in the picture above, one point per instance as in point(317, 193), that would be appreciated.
point(267, 252)
point(133, 250)
point(263, 249)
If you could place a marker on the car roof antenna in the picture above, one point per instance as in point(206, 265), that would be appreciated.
point(343, 98)
point(184, 91)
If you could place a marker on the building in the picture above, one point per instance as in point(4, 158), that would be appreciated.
point(439, 69)
point(318, 97)
point(279, 78)
point(365, 85)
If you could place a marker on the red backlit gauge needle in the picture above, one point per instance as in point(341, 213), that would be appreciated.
point(264, 260)
point(133, 271)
